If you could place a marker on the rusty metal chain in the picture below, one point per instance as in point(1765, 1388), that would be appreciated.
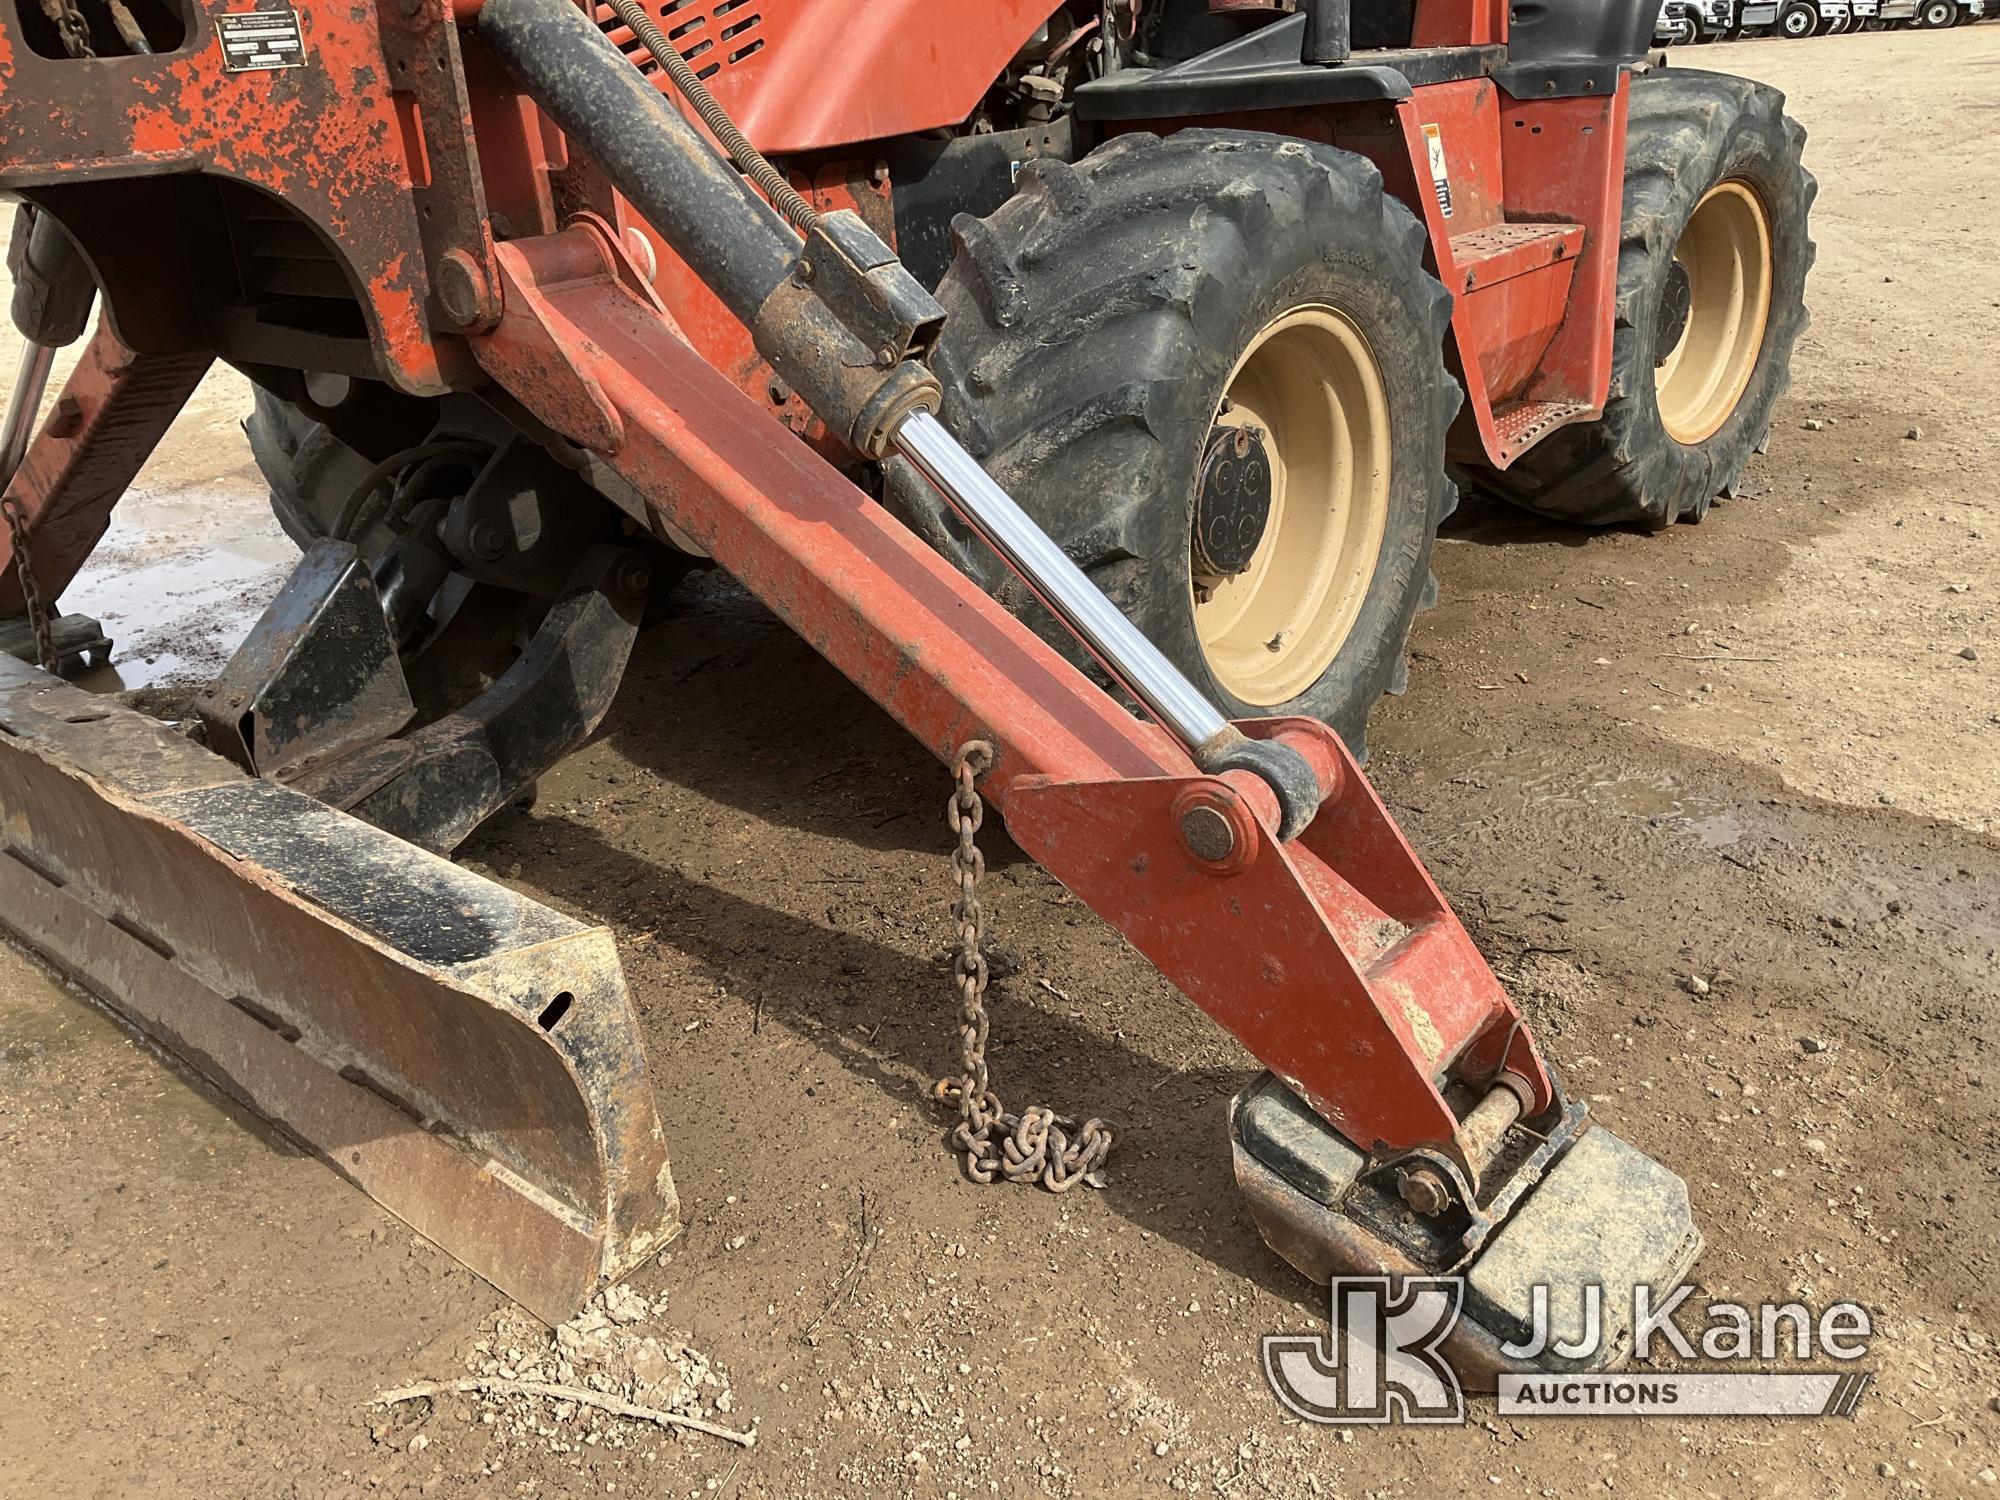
point(1037, 1144)
point(31, 594)
point(71, 28)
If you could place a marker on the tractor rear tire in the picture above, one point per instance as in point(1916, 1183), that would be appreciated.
point(1113, 320)
point(1667, 445)
point(310, 472)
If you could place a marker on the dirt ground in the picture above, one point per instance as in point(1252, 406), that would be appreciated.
point(1749, 750)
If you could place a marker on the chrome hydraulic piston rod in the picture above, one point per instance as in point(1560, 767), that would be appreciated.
point(847, 327)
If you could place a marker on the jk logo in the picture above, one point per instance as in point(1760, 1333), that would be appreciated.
point(1379, 1360)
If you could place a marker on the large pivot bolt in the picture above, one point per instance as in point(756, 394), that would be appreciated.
point(466, 293)
point(1425, 1191)
point(1217, 827)
point(1208, 833)
point(1480, 1135)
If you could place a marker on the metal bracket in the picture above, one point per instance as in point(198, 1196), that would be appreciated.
point(1454, 1237)
point(435, 785)
point(318, 675)
point(79, 640)
point(868, 289)
point(420, 41)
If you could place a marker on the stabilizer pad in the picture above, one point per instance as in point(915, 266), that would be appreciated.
point(1600, 1213)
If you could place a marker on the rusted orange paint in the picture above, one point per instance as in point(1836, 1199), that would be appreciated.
point(324, 138)
point(833, 74)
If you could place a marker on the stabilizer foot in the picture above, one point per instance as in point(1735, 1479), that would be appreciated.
point(1573, 1206)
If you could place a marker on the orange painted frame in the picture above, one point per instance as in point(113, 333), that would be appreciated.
point(1565, 159)
point(1510, 161)
point(833, 73)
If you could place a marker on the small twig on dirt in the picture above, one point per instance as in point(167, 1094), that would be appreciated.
point(1943, 1416)
point(699, 667)
point(1052, 989)
point(757, 1017)
point(851, 1277)
point(1713, 656)
point(1173, 1075)
point(495, 1386)
point(1739, 863)
point(1591, 602)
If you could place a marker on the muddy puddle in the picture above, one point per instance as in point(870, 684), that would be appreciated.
point(1658, 799)
point(178, 581)
point(38, 1014)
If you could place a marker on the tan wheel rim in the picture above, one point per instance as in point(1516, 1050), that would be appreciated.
point(1726, 252)
point(1311, 383)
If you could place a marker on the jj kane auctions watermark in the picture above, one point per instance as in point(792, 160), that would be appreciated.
point(1381, 1359)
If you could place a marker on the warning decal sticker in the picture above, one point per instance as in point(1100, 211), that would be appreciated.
point(1440, 177)
point(255, 40)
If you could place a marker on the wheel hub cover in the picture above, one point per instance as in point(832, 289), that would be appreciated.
point(1676, 301)
point(1232, 501)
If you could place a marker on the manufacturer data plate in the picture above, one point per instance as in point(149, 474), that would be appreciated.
point(254, 41)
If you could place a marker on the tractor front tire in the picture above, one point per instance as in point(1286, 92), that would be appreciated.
point(1124, 330)
point(1711, 298)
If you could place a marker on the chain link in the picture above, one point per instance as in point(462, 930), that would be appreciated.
point(31, 594)
point(1037, 1144)
point(71, 28)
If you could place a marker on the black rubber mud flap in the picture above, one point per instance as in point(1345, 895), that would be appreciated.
point(466, 1056)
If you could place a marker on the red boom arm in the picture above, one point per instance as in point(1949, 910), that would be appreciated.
point(1333, 958)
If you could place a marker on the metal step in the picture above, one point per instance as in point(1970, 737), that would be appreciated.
point(1526, 423)
point(1499, 252)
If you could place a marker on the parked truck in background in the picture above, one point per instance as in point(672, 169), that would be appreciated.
point(1803, 18)
point(1676, 26)
point(1930, 15)
point(1713, 19)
